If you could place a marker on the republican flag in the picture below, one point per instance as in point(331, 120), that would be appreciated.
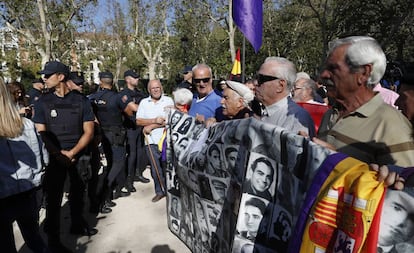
point(248, 16)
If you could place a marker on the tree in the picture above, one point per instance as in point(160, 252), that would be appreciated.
point(46, 24)
point(151, 33)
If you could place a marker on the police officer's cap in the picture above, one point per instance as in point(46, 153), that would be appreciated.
point(38, 80)
point(186, 69)
point(77, 77)
point(131, 73)
point(106, 75)
point(53, 67)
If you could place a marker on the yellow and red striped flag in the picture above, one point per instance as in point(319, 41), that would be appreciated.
point(236, 70)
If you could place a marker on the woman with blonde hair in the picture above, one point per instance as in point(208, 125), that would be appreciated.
point(22, 159)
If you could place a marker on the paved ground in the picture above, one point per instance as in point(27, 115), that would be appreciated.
point(135, 225)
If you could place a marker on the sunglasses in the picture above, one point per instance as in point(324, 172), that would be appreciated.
point(204, 80)
point(261, 79)
point(48, 75)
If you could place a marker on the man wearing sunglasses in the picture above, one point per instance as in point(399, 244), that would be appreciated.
point(64, 120)
point(275, 80)
point(206, 104)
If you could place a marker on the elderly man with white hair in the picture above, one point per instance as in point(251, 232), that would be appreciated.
point(275, 80)
point(365, 127)
point(236, 99)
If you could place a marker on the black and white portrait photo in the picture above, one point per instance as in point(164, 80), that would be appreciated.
point(260, 177)
point(175, 117)
point(215, 166)
point(219, 187)
point(175, 208)
point(252, 211)
point(396, 233)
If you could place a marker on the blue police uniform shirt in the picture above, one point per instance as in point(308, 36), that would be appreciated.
point(33, 95)
point(64, 116)
point(108, 107)
point(127, 95)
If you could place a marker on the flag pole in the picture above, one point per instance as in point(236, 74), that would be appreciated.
point(243, 61)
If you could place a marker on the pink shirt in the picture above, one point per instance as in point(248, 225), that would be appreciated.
point(387, 95)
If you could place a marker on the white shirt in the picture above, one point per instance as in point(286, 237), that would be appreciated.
point(149, 109)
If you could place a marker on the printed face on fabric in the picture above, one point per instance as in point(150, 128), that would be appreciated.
point(251, 216)
point(175, 118)
point(248, 214)
point(262, 177)
point(397, 223)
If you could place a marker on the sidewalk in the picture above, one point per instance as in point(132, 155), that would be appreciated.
point(135, 225)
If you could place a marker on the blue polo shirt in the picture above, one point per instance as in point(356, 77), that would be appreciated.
point(206, 106)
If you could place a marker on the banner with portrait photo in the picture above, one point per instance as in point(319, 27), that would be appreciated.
point(237, 185)
point(247, 186)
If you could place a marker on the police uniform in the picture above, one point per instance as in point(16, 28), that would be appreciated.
point(108, 109)
point(63, 118)
point(137, 160)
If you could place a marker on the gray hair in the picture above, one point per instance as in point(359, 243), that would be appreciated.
point(284, 69)
point(302, 75)
point(183, 96)
point(202, 65)
point(309, 84)
point(363, 50)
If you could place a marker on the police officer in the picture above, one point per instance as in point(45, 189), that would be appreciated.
point(137, 159)
point(37, 89)
point(65, 121)
point(109, 110)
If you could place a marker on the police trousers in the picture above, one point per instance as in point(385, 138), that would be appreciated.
point(54, 180)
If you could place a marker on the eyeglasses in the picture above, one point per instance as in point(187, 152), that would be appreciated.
point(261, 79)
point(204, 80)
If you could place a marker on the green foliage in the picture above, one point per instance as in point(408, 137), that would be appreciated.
point(198, 32)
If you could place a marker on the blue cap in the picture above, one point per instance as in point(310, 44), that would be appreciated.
point(131, 73)
point(53, 67)
point(186, 69)
point(106, 75)
point(77, 77)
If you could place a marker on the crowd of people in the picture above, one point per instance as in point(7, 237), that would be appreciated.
point(119, 134)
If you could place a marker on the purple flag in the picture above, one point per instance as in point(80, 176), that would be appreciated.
point(248, 16)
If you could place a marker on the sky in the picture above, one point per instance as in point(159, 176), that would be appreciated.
point(102, 10)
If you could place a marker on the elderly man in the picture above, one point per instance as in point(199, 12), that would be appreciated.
point(151, 115)
point(365, 128)
point(274, 82)
point(207, 103)
point(304, 91)
point(305, 95)
point(236, 99)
